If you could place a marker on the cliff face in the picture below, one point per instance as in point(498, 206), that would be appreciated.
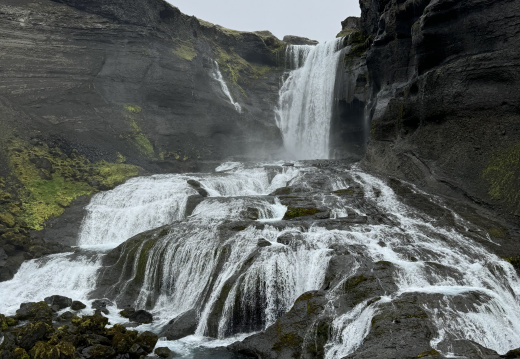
point(441, 96)
point(95, 92)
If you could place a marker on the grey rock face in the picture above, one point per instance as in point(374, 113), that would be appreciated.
point(297, 40)
point(441, 78)
point(136, 80)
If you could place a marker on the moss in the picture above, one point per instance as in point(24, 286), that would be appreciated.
point(184, 50)
point(133, 108)
point(7, 219)
point(294, 212)
point(428, 353)
point(515, 262)
point(140, 140)
point(20, 353)
point(238, 70)
point(113, 174)
point(497, 232)
point(46, 192)
point(345, 192)
point(503, 175)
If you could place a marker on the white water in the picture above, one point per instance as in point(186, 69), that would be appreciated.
point(306, 99)
point(217, 75)
point(191, 258)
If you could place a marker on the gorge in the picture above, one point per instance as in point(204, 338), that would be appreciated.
point(357, 198)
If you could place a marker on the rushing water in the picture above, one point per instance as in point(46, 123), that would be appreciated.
point(251, 286)
point(233, 262)
point(306, 99)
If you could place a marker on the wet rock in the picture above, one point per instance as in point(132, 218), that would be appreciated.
point(286, 337)
point(101, 305)
point(99, 351)
point(162, 352)
point(252, 213)
point(262, 242)
point(77, 305)
point(39, 311)
point(66, 316)
point(195, 184)
point(29, 334)
point(127, 312)
point(192, 202)
point(180, 327)
point(58, 301)
point(202, 192)
point(297, 212)
point(141, 316)
point(147, 341)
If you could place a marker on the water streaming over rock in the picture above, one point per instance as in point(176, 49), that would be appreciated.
point(268, 236)
point(306, 99)
point(217, 75)
point(238, 267)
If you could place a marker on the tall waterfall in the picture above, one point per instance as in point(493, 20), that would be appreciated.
point(306, 99)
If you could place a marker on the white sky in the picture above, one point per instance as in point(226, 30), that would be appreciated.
point(316, 19)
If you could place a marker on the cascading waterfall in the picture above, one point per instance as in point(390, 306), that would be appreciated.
point(217, 75)
point(306, 99)
point(236, 265)
point(204, 263)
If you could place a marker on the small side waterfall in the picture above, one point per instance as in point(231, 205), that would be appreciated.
point(306, 99)
point(217, 75)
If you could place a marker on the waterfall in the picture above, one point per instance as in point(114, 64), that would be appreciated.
point(241, 274)
point(306, 99)
point(217, 75)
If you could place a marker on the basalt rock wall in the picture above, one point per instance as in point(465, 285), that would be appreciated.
point(440, 95)
point(95, 92)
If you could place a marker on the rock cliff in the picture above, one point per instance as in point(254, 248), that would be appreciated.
point(93, 93)
point(439, 81)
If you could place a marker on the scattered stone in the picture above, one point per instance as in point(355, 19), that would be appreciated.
point(182, 326)
point(77, 305)
point(58, 301)
point(65, 317)
point(141, 316)
point(194, 183)
point(262, 242)
point(101, 305)
point(162, 352)
point(127, 312)
point(147, 341)
point(98, 351)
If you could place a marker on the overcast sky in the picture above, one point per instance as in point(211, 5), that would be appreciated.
point(316, 19)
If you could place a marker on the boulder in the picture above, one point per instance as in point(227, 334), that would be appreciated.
point(58, 301)
point(141, 316)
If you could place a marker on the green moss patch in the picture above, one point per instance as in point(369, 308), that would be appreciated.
point(133, 108)
point(140, 140)
point(294, 212)
point(185, 50)
point(52, 180)
point(503, 176)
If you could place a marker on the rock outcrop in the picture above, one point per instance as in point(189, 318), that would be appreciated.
point(439, 81)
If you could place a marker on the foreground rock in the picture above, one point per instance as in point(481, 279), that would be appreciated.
point(42, 335)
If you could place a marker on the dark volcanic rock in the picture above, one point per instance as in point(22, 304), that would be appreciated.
point(297, 40)
point(59, 301)
point(77, 305)
point(141, 316)
point(439, 79)
point(182, 326)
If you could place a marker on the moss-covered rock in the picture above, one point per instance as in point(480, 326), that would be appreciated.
point(295, 212)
